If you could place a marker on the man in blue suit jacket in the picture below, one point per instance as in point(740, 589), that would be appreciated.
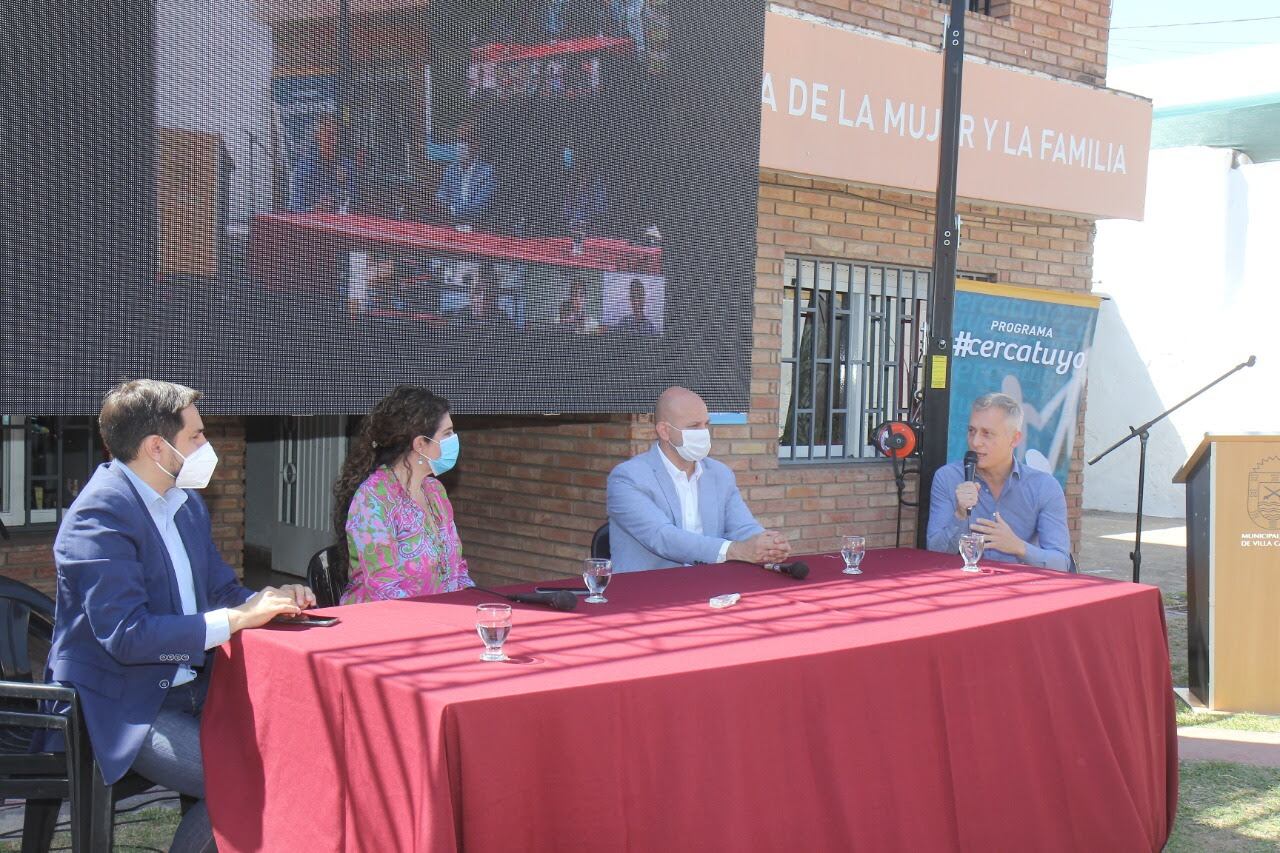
point(466, 188)
point(143, 595)
point(673, 506)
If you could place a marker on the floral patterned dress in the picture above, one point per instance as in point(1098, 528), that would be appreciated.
point(395, 549)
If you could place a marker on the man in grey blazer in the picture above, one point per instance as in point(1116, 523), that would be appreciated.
point(673, 506)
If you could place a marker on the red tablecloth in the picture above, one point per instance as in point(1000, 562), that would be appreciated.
point(913, 708)
point(285, 249)
point(496, 52)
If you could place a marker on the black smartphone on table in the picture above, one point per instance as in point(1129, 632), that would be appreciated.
point(310, 620)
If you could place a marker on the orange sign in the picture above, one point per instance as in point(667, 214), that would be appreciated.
point(839, 104)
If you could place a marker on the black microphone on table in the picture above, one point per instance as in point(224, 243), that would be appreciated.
point(798, 570)
point(970, 471)
point(560, 599)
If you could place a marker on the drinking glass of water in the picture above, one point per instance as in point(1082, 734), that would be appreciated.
point(596, 572)
point(493, 624)
point(852, 548)
point(971, 545)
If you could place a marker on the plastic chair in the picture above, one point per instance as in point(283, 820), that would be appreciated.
point(44, 779)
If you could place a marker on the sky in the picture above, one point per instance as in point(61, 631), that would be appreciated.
point(1146, 31)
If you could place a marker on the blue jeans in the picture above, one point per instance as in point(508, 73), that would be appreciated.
point(170, 756)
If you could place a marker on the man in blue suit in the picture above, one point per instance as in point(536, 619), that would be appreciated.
point(673, 506)
point(466, 188)
point(323, 182)
point(143, 595)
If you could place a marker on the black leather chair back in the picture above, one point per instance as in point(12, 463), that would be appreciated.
point(327, 579)
point(600, 542)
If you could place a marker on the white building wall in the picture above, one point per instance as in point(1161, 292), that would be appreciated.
point(213, 75)
point(1194, 291)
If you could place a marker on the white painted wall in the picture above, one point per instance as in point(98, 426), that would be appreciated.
point(261, 487)
point(213, 74)
point(1194, 292)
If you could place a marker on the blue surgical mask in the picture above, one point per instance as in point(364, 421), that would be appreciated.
point(448, 455)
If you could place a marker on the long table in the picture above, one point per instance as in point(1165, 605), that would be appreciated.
point(497, 52)
point(301, 251)
point(916, 707)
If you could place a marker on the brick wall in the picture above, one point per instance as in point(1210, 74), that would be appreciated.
point(1063, 38)
point(530, 491)
point(839, 220)
point(28, 557)
point(225, 494)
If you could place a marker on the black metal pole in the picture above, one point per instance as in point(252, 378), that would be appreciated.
point(1143, 433)
point(946, 242)
point(346, 73)
point(1136, 554)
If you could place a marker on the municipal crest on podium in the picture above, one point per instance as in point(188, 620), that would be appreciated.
point(1264, 493)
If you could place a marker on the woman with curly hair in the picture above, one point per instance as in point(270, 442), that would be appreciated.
point(393, 519)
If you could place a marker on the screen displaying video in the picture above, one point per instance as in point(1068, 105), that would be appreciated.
point(527, 206)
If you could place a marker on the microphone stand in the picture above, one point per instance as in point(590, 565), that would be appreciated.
point(1142, 433)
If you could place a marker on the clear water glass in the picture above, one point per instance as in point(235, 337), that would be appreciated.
point(971, 545)
point(493, 624)
point(596, 573)
point(852, 548)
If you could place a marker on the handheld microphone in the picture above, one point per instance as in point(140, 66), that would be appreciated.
point(970, 471)
point(560, 599)
point(798, 570)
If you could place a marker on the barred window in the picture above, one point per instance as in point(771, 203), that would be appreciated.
point(44, 462)
point(850, 336)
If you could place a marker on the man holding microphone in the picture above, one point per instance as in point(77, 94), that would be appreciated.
point(1021, 512)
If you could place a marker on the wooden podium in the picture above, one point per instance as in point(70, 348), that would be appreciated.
point(1233, 572)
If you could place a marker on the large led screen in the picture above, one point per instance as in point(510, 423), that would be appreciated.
point(295, 204)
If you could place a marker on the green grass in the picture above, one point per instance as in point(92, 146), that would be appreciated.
point(1233, 722)
point(1226, 807)
point(1176, 624)
point(145, 830)
point(1221, 807)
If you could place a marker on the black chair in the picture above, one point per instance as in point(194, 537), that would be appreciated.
point(327, 579)
point(45, 779)
point(600, 542)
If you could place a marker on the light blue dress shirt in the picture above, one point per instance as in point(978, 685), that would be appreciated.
point(1031, 502)
point(687, 491)
point(163, 508)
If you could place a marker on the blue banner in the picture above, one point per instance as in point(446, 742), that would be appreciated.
point(299, 101)
point(1032, 345)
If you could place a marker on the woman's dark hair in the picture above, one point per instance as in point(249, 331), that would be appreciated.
point(385, 437)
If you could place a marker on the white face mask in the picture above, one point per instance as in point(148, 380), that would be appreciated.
point(696, 446)
point(196, 470)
